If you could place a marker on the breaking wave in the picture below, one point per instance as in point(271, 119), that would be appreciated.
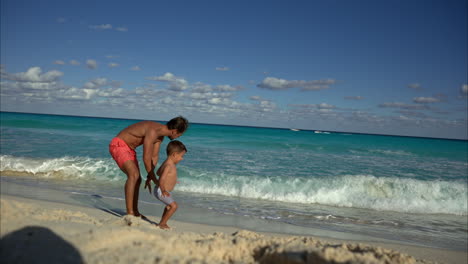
point(360, 191)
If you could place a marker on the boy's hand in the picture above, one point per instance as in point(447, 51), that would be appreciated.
point(165, 194)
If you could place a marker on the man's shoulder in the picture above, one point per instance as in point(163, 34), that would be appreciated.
point(152, 126)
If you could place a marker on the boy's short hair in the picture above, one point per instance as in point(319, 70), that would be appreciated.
point(180, 123)
point(175, 146)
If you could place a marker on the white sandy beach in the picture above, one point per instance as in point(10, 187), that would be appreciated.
point(54, 231)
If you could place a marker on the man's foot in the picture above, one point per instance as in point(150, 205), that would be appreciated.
point(137, 214)
point(142, 216)
point(164, 226)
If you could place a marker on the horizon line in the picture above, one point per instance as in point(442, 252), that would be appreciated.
point(249, 126)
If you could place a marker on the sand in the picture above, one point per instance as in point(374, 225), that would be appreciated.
point(52, 231)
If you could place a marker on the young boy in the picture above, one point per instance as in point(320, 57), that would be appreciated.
point(122, 149)
point(167, 180)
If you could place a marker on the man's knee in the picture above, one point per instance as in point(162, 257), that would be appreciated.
point(135, 176)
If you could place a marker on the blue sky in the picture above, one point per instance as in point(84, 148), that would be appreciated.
point(387, 67)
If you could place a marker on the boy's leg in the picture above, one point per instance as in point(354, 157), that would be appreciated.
point(169, 210)
point(133, 177)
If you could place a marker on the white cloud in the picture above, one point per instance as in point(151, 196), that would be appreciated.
point(354, 98)
point(112, 92)
point(198, 96)
point(222, 68)
point(425, 100)
point(91, 64)
point(74, 62)
point(33, 74)
point(108, 27)
point(19, 87)
point(314, 106)
point(73, 93)
point(113, 65)
point(135, 68)
point(256, 98)
point(59, 62)
point(412, 113)
point(404, 106)
point(101, 27)
point(175, 83)
point(272, 83)
point(96, 83)
point(167, 77)
point(122, 29)
point(325, 106)
point(227, 88)
point(415, 86)
point(200, 87)
point(464, 89)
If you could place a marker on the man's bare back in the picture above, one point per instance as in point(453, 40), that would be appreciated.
point(134, 135)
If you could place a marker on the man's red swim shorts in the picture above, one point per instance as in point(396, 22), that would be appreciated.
point(121, 152)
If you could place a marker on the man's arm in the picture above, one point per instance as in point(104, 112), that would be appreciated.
point(154, 163)
point(149, 147)
point(155, 156)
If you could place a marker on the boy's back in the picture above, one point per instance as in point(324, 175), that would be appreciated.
point(168, 172)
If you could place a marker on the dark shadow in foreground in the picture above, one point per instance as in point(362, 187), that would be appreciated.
point(35, 244)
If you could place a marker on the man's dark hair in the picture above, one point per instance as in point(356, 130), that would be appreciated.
point(175, 146)
point(179, 123)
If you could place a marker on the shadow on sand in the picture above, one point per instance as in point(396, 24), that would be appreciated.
point(97, 202)
point(35, 244)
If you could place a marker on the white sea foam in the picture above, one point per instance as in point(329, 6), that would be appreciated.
point(361, 191)
point(391, 152)
point(62, 168)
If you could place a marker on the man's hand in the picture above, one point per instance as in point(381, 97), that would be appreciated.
point(150, 177)
point(148, 183)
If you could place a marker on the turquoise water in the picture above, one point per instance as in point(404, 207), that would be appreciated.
point(383, 186)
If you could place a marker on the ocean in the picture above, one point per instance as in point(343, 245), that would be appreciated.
point(405, 189)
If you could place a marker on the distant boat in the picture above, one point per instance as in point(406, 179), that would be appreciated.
point(294, 129)
point(321, 132)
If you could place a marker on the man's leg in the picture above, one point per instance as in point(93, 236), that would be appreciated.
point(133, 177)
point(135, 196)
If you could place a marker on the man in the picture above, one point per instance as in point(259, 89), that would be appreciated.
point(122, 149)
